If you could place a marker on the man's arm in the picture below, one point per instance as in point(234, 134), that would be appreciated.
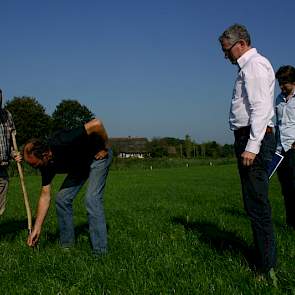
point(43, 205)
point(95, 126)
point(258, 88)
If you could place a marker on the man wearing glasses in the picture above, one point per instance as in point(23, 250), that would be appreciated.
point(251, 113)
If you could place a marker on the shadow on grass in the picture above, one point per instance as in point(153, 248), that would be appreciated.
point(239, 213)
point(219, 239)
point(11, 228)
point(80, 230)
point(235, 212)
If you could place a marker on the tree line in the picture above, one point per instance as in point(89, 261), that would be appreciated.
point(31, 120)
point(188, 148)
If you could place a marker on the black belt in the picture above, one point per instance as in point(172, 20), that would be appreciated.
point(243, 131)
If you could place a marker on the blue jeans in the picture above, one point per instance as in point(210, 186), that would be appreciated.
point(94, 205)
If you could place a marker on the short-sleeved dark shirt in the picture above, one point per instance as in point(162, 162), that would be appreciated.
point(72, 152)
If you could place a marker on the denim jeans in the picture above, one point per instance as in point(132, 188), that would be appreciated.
point(94, 206)
point(254, 182)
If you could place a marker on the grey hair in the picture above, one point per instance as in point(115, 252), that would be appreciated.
point(235, 33)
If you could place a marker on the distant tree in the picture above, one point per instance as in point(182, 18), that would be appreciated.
point(188, 145)
point(227, 150)
point(173, 146)
point(181, 150)
point(29, 118)
point(213, 149)
point(203, 150)
point(196, 149)
point(172, 141)
point(157, 148)
point(70, 113)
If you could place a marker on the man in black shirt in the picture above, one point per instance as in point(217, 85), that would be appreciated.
point(83, 153)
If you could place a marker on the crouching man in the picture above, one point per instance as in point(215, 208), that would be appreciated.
point(82, 153)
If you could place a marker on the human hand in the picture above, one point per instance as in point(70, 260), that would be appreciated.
point(33, 238)
point(101, 154)
point(17, 156)
point(248, 158)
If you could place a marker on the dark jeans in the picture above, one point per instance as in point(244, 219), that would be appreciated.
point(254, 182)
point(286, 174)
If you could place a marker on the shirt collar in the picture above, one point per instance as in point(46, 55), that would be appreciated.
point(242, 60)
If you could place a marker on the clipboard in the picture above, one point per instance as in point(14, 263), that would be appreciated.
point(274, 164)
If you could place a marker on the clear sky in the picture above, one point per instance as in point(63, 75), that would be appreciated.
point(149, 68)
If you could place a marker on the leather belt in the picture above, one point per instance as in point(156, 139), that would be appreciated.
point(245, 131)
point(269, 129)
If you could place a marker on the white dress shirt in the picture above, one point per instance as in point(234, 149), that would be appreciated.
point(253, 98)
point(285, 111)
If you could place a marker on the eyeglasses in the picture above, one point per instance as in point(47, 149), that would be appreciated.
point(227, 50)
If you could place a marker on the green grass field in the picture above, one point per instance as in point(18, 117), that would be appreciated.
point(171, 231)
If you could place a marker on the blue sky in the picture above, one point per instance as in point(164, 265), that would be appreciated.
point(146, 68)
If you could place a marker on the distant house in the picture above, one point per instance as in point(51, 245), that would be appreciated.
point(130, 147)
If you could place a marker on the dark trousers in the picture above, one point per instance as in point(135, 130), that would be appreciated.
point(286, 174)
point(254, 182)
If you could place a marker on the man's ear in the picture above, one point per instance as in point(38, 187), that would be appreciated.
point(243, 44)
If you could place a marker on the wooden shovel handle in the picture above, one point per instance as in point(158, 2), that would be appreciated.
point(22, 181)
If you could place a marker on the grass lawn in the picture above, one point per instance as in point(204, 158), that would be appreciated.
point(171, 231)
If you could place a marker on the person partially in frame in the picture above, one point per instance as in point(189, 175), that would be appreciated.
point(6, 152)
point(285, 134)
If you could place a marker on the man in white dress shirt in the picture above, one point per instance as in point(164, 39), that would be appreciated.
point(251, 113)
point(285, 115)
